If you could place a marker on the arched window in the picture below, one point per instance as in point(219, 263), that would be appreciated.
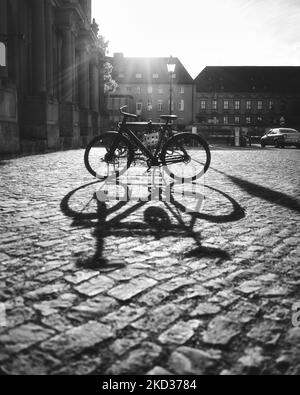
point(2, 55)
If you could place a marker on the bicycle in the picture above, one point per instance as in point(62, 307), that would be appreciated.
point(184, 156)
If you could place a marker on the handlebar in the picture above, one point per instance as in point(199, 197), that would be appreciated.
point(126, 114)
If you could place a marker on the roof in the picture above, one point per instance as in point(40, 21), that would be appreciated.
point(244, 79)
point(147, 67)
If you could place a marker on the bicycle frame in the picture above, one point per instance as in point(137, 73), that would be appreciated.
point(124, 130)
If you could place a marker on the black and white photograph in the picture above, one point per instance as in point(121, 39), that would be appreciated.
point(149, 190)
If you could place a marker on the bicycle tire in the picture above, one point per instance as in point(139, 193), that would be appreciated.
point(180, 145)
point(95, 162)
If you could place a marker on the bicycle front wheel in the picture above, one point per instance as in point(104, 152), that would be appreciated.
point(186, 156)
point(101, 162)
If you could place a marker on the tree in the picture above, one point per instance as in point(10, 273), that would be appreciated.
point(110, 84)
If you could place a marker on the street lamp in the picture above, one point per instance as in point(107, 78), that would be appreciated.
point(171, 65)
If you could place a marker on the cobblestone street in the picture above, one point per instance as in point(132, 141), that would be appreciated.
point(103, 289)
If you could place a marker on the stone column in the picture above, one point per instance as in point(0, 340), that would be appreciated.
point(84, 77)
point(49, 48)
point(94, 84)
point(39, 46)
point(67, 72)
point(3, 17)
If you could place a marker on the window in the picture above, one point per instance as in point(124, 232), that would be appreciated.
point(271, 105)
point(237, 105)
point(225, 120)
point(116, 104)
point(138, 90)
point(109, 104)
point(150, 90)
point(181, 105)
point(138, 76)
point(149, 105)
point(259, 119)
point(2, 55)
point(172, 106)
point(181, 90)
point(226, 105)
point(160, 105)
point(139, 106)
point(128, 89)
point(174, 76)
point(121, 75)
point(160, 90)
point(203, 105)
point(155, 76)
point(236, 119)
point(214, 104)
point(248, 120)
point(260, 105)
point(248, 105)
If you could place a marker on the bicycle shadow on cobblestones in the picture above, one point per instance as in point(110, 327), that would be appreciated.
point(156, 223)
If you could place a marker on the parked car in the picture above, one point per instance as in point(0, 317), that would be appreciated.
point(281, 138)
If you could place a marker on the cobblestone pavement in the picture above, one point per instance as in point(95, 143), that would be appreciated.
point(94, 289)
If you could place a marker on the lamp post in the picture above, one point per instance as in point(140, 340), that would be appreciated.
point(171, 70)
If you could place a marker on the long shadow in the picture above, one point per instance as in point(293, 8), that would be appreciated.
point(267, 194)
point(156, 223)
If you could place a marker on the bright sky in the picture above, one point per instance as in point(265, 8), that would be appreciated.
point(204, 32)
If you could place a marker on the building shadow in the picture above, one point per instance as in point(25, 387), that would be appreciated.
point(108, 221)
point(267, 194)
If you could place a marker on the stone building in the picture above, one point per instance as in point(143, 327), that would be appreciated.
point(247, 99)
point(147, 82)
point(51, 89)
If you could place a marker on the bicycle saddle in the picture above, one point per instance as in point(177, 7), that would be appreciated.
point(169, 117)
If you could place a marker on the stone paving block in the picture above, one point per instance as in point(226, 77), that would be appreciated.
point(190, 361)
point(24, 336)
point(176, 283)
point(221, 331)
point(124, 316)
point(93, 308)
point(253, 358)
point(47, 308)
point(133, 288)
point(159, 371)
point(123, 345)
point(159, 319)
point(95, 286)
point(30, 363)
point(80, 276)
point(78, 339)
point(47, 291)
point(154, 297)
point(137, 360)
point(203, 309)
point(180, 333)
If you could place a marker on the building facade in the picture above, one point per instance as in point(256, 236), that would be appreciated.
point(247, 99)
point(51, 90)
point(147, 82)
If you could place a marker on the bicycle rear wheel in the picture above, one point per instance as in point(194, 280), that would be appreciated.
point(186, 156)
point(100, 164)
